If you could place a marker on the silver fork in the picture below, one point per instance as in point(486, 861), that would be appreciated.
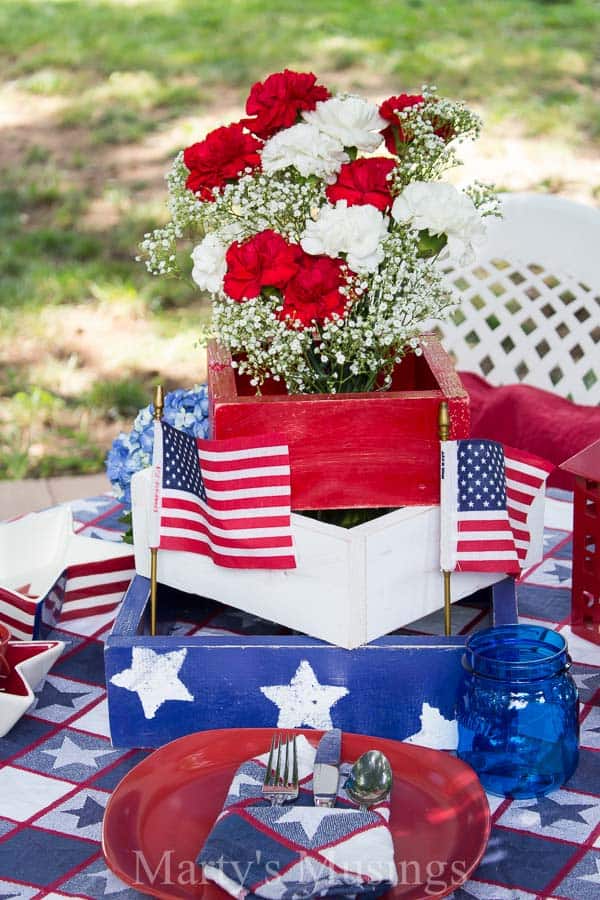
point(281, 785)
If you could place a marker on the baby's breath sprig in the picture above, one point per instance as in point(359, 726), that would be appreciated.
point(282, 202)
point(436, 127)
point(485, 198)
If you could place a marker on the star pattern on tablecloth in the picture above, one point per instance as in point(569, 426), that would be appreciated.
point(304, 701)
point(20, 892)
point(463, 894)
point(589, 681)
point(548, 833)
point(69, 753)
point(594, 878)
point(52, 696)
point(91, 813)
point(563, 573)
point(112, 883)
point(550, 811)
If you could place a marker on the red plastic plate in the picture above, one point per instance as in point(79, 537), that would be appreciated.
point(159, 815)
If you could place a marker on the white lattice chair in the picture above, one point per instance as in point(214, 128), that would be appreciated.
point(530, 306)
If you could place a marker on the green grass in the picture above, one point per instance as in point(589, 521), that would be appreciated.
point(123, 397)
point(113, 74)
point(518, 56)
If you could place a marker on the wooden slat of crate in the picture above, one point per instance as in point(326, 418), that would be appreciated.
point(378, 449)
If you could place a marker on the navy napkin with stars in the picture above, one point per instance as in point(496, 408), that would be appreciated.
point(298, 849)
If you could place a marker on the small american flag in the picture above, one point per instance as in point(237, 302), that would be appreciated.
point(487, 493)
point(226, 499)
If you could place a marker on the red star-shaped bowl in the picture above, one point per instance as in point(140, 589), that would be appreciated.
point(23, 665)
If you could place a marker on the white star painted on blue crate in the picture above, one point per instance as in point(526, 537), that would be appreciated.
point(436, 730)
point(70, 753)
point(154, 677)
point(304, 701)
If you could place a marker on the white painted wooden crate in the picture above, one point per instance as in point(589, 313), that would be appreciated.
point(350, 586)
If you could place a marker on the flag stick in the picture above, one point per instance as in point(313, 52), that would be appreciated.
point(444, 433)
point(158, 411)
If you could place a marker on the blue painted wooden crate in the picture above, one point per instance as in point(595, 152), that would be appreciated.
point(239, 671)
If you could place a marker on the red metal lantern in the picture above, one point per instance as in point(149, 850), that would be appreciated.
point(585, 602)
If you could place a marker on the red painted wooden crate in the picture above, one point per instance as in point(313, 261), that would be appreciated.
point(350, 450)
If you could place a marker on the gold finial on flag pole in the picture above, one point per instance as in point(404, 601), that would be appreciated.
point(159, 403)
point(444, 433)
point(444, 421)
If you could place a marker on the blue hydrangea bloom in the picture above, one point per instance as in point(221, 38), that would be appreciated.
point(185, 410)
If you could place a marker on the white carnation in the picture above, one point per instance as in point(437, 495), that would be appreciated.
point(209, 263)
point(354, 230)
point(442, 209)
point(307, 149)
point(353, 121)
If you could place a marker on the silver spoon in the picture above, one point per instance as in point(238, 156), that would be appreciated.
point(370, 779)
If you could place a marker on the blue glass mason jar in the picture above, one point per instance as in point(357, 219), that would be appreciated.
point(518, 714)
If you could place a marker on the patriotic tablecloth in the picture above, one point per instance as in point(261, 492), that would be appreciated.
point(59, 768)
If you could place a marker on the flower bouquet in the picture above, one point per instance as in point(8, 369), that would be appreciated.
point(318, 223)
point(322, 220)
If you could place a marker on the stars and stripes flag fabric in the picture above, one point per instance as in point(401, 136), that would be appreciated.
point(81, 589)
point(487, 496)
point(97, 587)
point(226, 499)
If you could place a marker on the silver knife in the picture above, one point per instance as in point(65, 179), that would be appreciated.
point(326, 771)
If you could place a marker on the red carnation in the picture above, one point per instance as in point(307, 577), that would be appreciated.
point(394, 133)
point(364, 181)
point(221, 157)
point(264, 260)
point(276, 101)
point(313, 294)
